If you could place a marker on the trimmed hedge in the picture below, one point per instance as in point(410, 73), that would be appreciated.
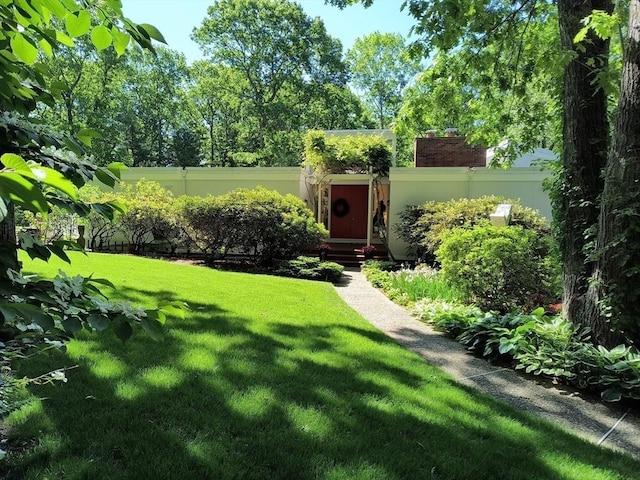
point(259, 223)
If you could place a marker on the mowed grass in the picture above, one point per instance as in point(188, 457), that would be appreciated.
point(269, 378)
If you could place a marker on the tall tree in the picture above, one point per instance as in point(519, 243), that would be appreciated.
point(381, 67)
point(585, 140)
point(154, 88)
point(279, 52)
point(35, 173)
point(596, 215)
point(134, 101)
point(613, 297)
point(484, 102)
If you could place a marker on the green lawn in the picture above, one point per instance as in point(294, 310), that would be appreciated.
point(270, 378)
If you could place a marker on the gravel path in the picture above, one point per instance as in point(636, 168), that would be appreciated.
point(611, 425)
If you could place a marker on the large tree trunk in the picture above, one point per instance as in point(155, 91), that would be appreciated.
point(8, 250)
point(613, 301)
point(585, 133)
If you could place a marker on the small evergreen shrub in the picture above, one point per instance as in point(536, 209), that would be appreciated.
point(148, 215)
point(500, 268)
point(310, 268)
point(207, 224)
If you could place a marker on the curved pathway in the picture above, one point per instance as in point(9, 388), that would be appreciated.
point(611, 425)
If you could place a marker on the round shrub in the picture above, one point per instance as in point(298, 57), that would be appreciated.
point(501, 268)
point(260, 223)
point(423, 226)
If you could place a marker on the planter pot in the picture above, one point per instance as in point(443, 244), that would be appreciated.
point(368, 255)
point(323, 255)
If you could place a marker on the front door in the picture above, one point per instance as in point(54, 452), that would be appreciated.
point(349, 211)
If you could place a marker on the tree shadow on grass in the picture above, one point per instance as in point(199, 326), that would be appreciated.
point(225, 397)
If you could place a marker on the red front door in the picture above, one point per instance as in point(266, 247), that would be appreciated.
point(349, 212)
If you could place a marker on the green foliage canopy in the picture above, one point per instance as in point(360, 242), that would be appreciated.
point(280, 61)
point(381, 68)
point(36, 175)
point(349, 154)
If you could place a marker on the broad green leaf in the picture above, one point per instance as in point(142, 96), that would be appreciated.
point(55, 179)
point(101, 37)
point(173, 308)
point(105, 177)
point(102, 281)
point(23, 192)
point(611, 395)
point(44, 297)
point(64, 39)
point(23, 49)
point(122, 329)
point(42, 10)
point(7, 311)
point(115, 5)
point(32, 313)
point(46, 47)
point(14, 162)
point(70, 5)
point(618, 351)
point(153, 32)
point(59, 252)
point(87, 134)
point(72, 325)
point(153, 328)
point(38, 251)
point(56, 7)
point(120, 40)
point(619, 366)
point(98, 322)
point(103, 210)
point(538, 312)
point(157, 315)
point(117, 205)
point(116, 168)
point(78, 25)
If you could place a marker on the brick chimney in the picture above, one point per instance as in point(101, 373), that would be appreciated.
point(447, 151)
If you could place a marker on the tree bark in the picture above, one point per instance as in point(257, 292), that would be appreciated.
point(585, 133)
point(8, 249)
point(613, 300)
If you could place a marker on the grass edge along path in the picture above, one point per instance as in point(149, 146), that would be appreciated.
point(269, 378)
